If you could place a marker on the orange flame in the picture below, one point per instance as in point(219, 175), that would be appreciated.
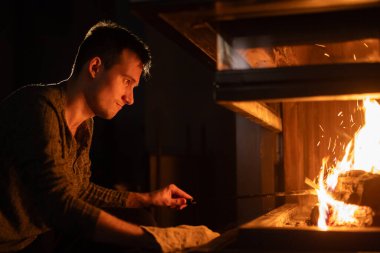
point(361, 153)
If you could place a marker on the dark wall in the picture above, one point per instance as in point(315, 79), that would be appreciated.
point(194, 135)
point(40, 37)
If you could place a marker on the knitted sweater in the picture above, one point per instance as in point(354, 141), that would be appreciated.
point(45, 171)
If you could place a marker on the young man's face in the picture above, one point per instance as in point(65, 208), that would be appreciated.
point(113, 88)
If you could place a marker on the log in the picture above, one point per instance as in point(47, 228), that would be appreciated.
point(358, 188)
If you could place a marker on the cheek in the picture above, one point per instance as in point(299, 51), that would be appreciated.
point(115, 89)
point(109, 87)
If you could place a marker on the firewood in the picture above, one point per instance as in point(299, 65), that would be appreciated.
point(358, 188)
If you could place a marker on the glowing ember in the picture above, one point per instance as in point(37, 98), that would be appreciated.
point(361, 154)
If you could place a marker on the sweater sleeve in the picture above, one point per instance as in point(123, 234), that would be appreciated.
point(45, 170)
point(104, 197)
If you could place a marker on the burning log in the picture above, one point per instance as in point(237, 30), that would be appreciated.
point(362, 217)
point(357, 188)
point(370, 195)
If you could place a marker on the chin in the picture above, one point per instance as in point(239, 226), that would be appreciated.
point(110, 116)
point(106, 115)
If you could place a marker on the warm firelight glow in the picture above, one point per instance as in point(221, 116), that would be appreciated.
point(362, 153)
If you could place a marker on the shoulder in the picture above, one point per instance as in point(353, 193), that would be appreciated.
point(34, 94)
point(33, 102)
point(36, 90)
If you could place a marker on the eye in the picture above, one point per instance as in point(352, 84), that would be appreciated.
point(127, 81)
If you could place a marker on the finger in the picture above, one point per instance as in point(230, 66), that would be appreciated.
point(180, 193)
point(178, 202)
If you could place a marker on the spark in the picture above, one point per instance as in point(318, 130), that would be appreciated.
point(340, 113)
point(353, 124)
point(341, 123)
point(328, 148)
point(334, 147)
point(319, 142)
point(321, 128)
point(326, 54)
point(365, 44)
point(352, 119)
point(354, 57)
point(320, 45)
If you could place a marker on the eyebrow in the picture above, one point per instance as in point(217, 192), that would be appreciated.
point(128, 76)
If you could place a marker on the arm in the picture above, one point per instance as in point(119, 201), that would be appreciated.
point(170, 196)
point(104, 197)
point(110, 229)
point(173, 239)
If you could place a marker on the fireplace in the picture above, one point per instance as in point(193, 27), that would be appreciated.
point(300, 69)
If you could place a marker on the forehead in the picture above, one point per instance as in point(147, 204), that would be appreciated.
point(129, 59)
point(128, 64)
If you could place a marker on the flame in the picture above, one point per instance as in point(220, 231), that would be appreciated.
point(361, 153)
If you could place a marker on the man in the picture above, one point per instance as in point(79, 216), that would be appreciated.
point(46, 133)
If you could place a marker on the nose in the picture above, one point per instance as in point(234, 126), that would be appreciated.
point(128, 98)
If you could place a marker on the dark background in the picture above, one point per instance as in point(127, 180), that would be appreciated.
point(174, 122)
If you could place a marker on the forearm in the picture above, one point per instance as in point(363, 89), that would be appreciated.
point(110, 229)
point(103, 197)
point(137, 200)
point(170, 196)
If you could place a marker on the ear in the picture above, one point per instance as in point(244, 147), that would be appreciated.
point(94, 66)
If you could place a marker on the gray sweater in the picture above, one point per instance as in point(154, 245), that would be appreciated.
point(45, 171)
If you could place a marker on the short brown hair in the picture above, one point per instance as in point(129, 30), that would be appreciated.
point(107, 40)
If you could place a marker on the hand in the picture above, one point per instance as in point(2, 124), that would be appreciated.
point(170, 196)
point(175, 239)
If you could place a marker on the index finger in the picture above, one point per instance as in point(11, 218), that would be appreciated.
point(180, 193)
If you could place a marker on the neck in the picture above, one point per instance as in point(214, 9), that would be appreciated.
point(76, 108)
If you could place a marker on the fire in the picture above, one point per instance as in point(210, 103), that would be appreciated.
point(361, 154)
